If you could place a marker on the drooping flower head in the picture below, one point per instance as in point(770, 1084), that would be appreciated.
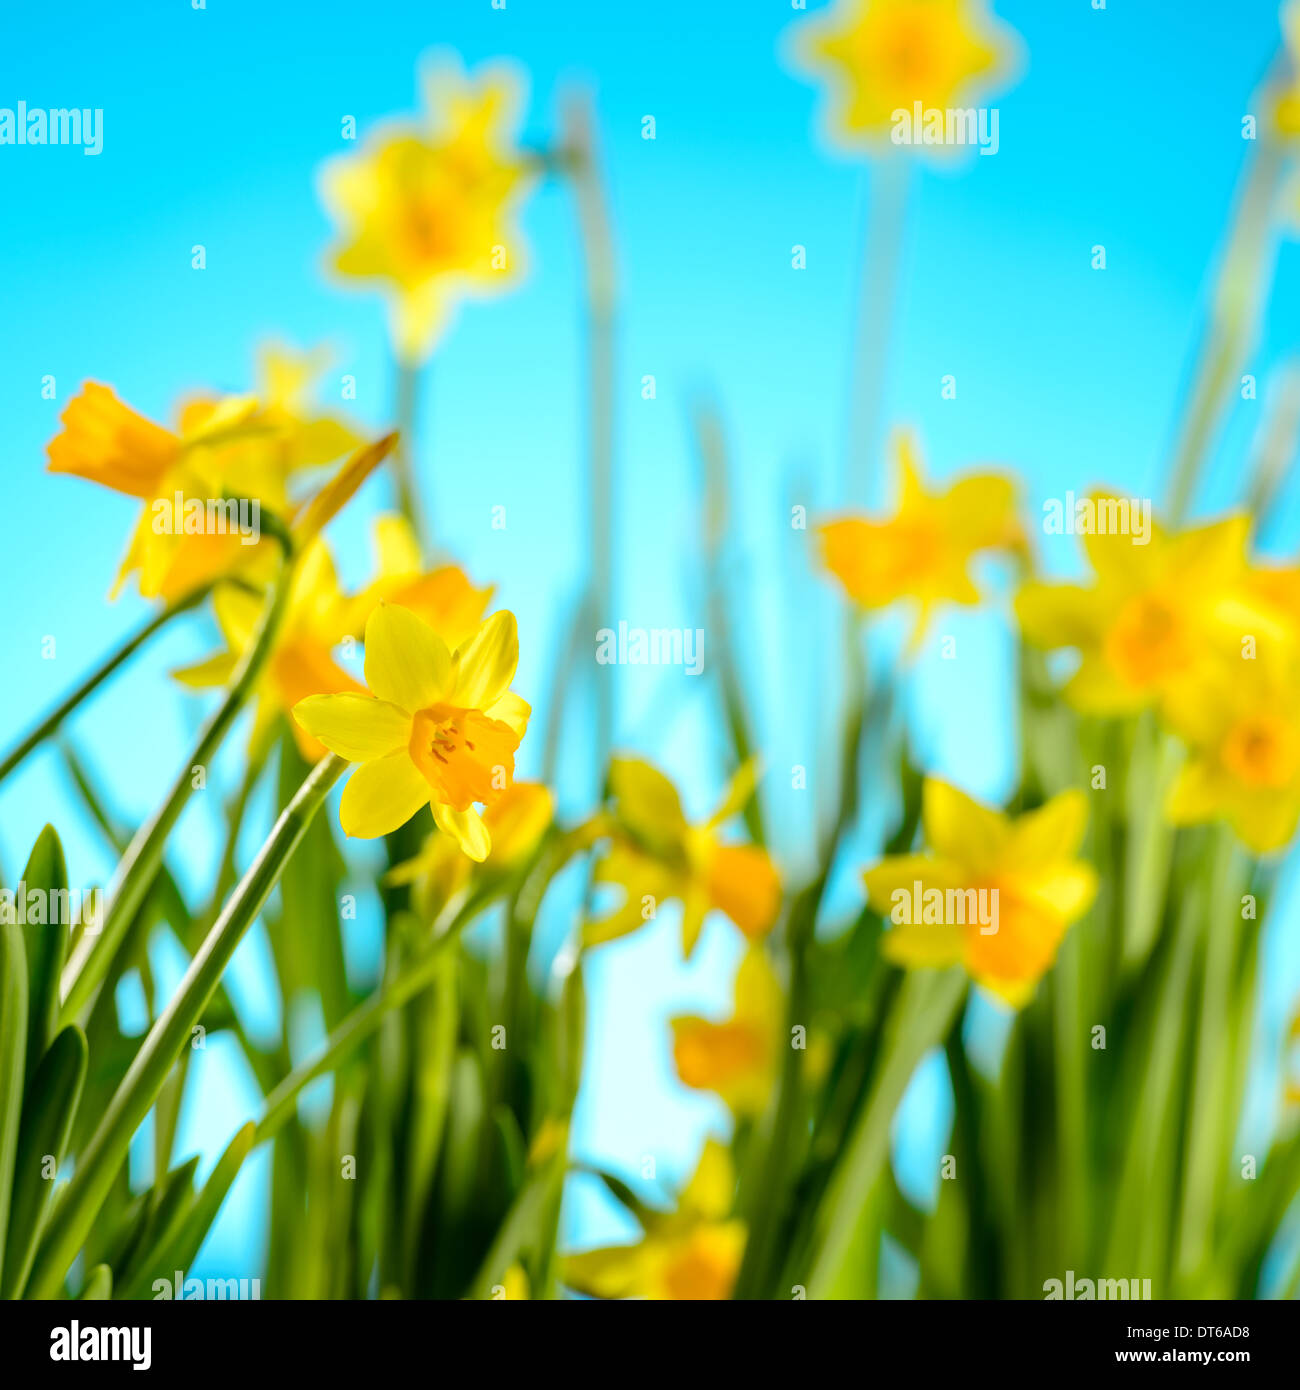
point(428, 211)
point(989, 892)
point(925, 550)
point(656, 856)
point(438, 728)
point(692, 1253)
point(884, 56)
point(199, 481)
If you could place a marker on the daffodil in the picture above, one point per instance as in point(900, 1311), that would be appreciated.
point(443, 597)
point(1154, 615)
point(924, 551)
point(429, 211)
point(515, 825)
point(439, 727)
point(656, 855)
point(884, 56)
point(737, 1058)
point(302, 661)
point(1242, 730)
point(243, 449)
point(691, 1253)
point(991, 893)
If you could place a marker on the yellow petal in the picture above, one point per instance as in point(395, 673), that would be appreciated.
point(381, 796)
point(466, 828)
point(960, 829)
point(695, 908)
point(216, 670)
point(712, 1189)
point(647, 800)
point(357, 727)
point(738, 793)
point(900, 873)
point(915, 944)
point(518, 820)
point(612, 1272)
point(513, 711)
point(1053, 832)
point(407, 664)
point(487, 662)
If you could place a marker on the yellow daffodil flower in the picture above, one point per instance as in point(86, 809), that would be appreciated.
point(302, 662)
point(736, 1059)
point(241, 449)
point(429, 211)
point(443, 597)
point(924, 551)
point(656, 855)
point(514, 1285)
point(884, 56)
point(692, 1253)
point(438, 727)
point(981, 870)
point(515, 824)
point(1242, 730)
point(1154, 615)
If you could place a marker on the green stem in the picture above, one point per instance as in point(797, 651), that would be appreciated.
point(51, 723)
point(98, 1165)
point(886, 215)
point(597, 245)
point(135, 874)
point(409, 499)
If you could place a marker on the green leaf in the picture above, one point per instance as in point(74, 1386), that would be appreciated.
point(46, 1123)
point(13, 1049)
point(45, 943)
point(182, 1243)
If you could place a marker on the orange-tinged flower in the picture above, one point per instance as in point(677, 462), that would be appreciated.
point(691, 1253)
point(1155, 614)
point(302, 661)
point(440, 727)
point(737, 1058)
point(205, 484)
point(428, 212)
point(443, 597)
point(884, 56)
point(656, 855)
point(991, 893)
point(1242, 730)
point(925, 550)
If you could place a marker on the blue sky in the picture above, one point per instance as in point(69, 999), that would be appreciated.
point(1122, 129)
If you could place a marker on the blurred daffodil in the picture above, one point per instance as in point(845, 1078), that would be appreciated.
point(736, 1059)
point(1286, 103)
point(428, 211)
point(656, 855)
point(924, 551)
point(1153, 616)
point(302, 661)
point(444, 597)
point(991, 893)
point(1242, 730)
point(515, 825)
point(692, 1253)
point(885, 56)
point(439, 727)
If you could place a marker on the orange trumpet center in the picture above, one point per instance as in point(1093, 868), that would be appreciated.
point(464, 756)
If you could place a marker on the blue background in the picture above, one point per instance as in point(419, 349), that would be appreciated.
point(1123, 128)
